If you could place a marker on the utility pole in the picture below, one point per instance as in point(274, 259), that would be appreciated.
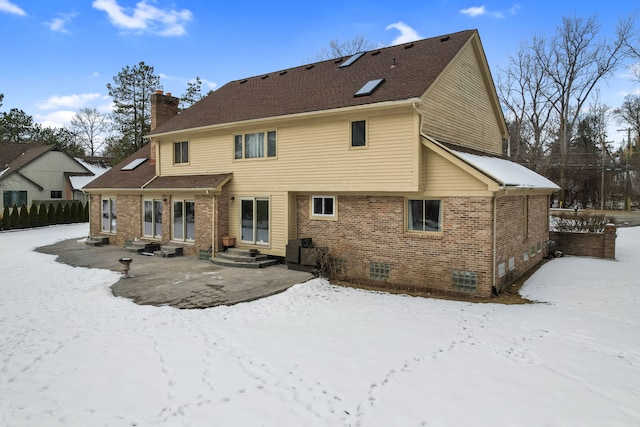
point(602, 173)
point(627, 198)
point(627, 181)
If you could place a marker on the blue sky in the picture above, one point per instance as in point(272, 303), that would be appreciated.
point(58, 56)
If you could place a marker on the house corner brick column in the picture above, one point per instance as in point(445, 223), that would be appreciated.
point(203, 223)
point(610, 241)
point(95, 214)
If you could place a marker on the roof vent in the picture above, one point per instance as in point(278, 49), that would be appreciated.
point(408, 46)
point(351, 60)
point(310, 66)
point(282, 73)
point(369, 87)
point(243, 81)
point(377, 52)
point(444, 39)
point(265, 76)
point(134, 164)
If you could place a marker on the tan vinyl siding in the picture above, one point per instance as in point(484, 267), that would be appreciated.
point(278, 221)
point(451, 105)
point(441, 176)
point(313, 155)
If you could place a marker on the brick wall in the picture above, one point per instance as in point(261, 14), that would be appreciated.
point(203, 224)
point(95, 215)
point(129, 221)
point(597, 245)
point(221, 215)
point(513, 241)
point(129, 225)
point(371, 229)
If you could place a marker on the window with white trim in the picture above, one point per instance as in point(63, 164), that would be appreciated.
point(184, 213)
point(424, 215)
point(254, 217)
point(152, 218)
point(324, 206)
point(255, 145)
point(109, 215)
point(181, 152)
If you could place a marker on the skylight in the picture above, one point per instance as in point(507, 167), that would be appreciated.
point(351, 60)
point(134, 164)
point(369, 87)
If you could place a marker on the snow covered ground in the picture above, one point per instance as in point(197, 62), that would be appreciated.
point(71, 354)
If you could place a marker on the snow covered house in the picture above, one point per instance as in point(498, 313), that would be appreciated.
point(33, 172)
point(391, 159)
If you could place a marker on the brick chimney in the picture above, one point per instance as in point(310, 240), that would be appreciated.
point(163, 107)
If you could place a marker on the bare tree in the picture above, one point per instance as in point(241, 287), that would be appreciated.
point(575, 60)
point(523, 89)
point(89, 126)
point(338, 49)
point(629, 112)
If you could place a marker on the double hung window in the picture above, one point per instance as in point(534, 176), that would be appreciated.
point(424, 215)
point(255, 145)
point(181, 152)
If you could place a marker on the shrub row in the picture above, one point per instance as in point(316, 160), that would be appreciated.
point(43, 215)
point(581, 222)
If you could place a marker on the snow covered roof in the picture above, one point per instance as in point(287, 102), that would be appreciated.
point(507, 173)
point(78, 182)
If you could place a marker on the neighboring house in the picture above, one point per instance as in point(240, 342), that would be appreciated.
point(32, 172)
point(390, 158)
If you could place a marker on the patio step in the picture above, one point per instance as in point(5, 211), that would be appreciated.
point(97, 241)
point(241, 258)
point(169, 251)
point(141, 246)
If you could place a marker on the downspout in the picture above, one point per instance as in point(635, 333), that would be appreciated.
point(494, 289)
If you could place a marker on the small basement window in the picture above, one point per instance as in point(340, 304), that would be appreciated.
point(379, 270)
point(466, 281)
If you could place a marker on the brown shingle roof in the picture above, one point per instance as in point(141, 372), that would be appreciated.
point(143, 177)
point(408, 70)
point(117, 178)
point(188, 181)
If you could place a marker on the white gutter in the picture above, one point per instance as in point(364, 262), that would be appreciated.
point(338, 110)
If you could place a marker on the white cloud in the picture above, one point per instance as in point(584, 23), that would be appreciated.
point(475, 11)
point(407, 34)
point(209, 84)
point(55, 119)
point(67, 101)
point(145, 17)
point(7, 6)
point(58, 24)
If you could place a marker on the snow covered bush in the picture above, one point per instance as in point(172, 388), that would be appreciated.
point(580, 222)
